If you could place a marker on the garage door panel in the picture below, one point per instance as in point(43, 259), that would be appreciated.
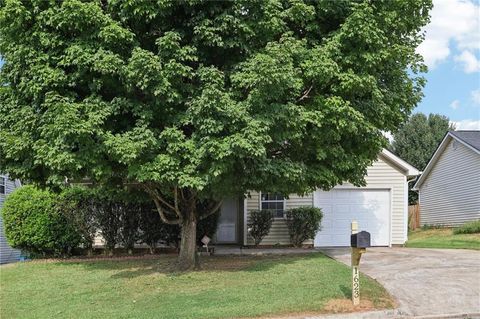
point(360, 210)
point(323, 238)
point(345, 195)
point(328, 223)
point(354, 197)
point(340, 240)
point(370, 208)
point(341, 225)
point(327, 209)
point(341, 209)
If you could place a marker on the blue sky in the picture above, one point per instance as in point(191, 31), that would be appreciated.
point(450, 91)
point(452, 52)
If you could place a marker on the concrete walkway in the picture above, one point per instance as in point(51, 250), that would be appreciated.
point(236, 250)
point(425, 282)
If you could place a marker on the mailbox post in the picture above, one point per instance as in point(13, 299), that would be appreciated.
point(359, 241)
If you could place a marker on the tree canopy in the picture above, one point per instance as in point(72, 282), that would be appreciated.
point(205, 98)
point(419, 137)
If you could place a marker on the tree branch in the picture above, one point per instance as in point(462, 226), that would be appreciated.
point(175, 200)
point(305, 94)
point(154, 192)
point(163, 217)
point(213, 210)
point(158, 200)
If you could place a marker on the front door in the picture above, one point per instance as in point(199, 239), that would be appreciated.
point(228, 221)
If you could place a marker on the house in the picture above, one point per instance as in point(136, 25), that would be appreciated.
point(449, 188)
point(7, 253)
point(381, 208)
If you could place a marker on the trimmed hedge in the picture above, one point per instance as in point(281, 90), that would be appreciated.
point(33, 222)
point(260, 224)
point(207, 227)
point(303, 223)
point(152, 230)
point(45, 223)
point(129, 223)
point(78, 205)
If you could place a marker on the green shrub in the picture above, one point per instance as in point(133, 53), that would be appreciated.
point(33, 222)
point(207, 227)
point(79, 205)
point(129, 223)
point(260, 224)
point(151, 227)
point(438, 226)
point(468, 228)
point(303, 223)
point(153, 230)
point(109, 222)
point(170, 234)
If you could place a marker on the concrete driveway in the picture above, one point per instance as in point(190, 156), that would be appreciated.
point(424, 281)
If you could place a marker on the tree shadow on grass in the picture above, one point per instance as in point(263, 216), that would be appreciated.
point(346, 291)
point(165, 264)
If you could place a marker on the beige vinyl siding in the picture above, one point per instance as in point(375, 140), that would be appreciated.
point(450, 194)
point(278, 233)
point(381, 175)
point(7, 253)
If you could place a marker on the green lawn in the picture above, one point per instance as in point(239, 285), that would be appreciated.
point(226, 287)
point(442, 238)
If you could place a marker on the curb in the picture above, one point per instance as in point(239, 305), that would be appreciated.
point(380, 314)
point(394, 314)
point(475, 315)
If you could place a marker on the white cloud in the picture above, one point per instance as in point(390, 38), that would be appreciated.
point(455, 104)
point(452, 21)
point(476, 96)
point(466, 124)
point(469, 60)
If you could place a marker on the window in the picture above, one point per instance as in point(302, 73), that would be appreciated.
point(3, 184)
point(273, 202)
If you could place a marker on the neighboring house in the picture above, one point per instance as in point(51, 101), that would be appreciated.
point(449, 188)
point(7, 253)
point(381, 207)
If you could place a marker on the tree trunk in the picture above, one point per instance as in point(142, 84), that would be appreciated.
point(90, 251)
point(152, 249)
point(188, 258)
point(183, 212)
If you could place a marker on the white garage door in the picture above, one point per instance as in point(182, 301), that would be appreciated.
point(370, 208)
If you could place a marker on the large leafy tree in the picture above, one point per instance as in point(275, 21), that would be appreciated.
point(417, 140)
point(194, 100)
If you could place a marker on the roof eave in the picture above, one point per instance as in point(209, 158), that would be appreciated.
point(408, 169)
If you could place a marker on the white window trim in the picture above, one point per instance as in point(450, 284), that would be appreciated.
point(260, 201)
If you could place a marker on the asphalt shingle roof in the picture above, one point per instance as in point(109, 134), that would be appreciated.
point(472, 138)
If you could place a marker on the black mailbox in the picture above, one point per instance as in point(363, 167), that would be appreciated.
point(360, 240)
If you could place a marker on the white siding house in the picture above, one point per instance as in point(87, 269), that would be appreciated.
point(381, 207)
point(7, 253)
point(449, 188)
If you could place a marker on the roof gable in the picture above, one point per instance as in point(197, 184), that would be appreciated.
point(467, 138)
point(396, 161)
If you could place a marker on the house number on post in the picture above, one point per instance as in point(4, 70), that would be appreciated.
point(356, 286)
point(359, 241)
